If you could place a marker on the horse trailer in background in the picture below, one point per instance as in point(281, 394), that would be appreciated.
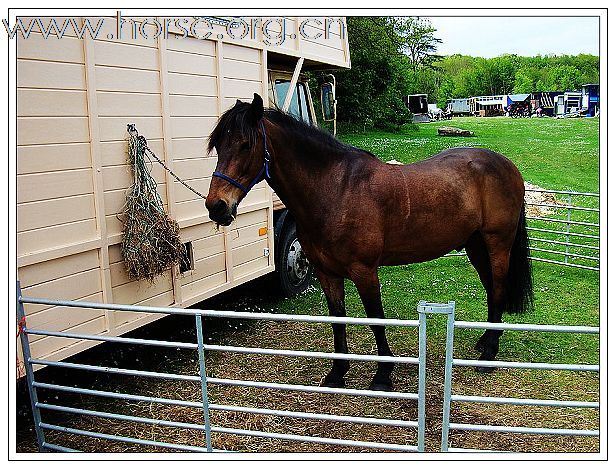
point(75, 97)
point(458, 107)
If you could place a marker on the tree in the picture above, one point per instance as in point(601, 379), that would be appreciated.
point(417, 40)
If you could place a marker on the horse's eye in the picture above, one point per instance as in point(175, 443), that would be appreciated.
point(244, 146)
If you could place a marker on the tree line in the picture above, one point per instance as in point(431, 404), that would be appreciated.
point(392, 57)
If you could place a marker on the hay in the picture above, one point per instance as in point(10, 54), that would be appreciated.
point(151, 241)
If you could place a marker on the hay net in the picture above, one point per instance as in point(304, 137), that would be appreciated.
point(151, 241)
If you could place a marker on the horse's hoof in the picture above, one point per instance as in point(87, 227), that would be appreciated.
point(381, 386)
point(485, 369)
point(327, 382)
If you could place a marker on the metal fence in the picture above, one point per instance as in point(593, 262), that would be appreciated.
point(451, 362)
point(564, 230)
point(206, 429)
point(564, 227)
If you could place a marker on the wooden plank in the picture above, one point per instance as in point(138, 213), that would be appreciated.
point(248, 235)
point(182, 194)
point(56, 103)
point(184, 148)
point(36, 47)
point(115, 153)
point(200, 288)
point(192, 45)
point(242, 70)
point(193, 64)
point(202, 230)
point(194, 167)
point(251, 218)
point(128, 33)
point(241, 89)
point(45, 271)
point(197, 106)
point(203, 268)
point(33, 215)
point(30, 242)
point(129, 105)
point(190, 209)
point(53, 345)
point(133, 292)
point(43, 130)
point(71, 287)
point(125, 55)
point(209, 246)
point(42, 186)
point(56, 75)
point(114, 128)
point(249, 252)
point(61, 318)
point(191, 85)
point(185, 127)
point(246, 54)
point(44, 158)
point(254, 268)
point(124, 79)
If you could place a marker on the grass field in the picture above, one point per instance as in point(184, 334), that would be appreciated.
point(555, 154)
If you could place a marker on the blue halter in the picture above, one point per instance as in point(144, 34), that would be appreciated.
point(263, 174)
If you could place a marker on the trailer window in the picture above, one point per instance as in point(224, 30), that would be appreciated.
point(299, 101)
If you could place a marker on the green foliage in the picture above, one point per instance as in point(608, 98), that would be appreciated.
point(392, 57)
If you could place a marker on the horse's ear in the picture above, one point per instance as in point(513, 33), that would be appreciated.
point(237, 102)
point(256, 108)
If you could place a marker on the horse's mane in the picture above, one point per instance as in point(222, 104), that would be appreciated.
point(238, 118)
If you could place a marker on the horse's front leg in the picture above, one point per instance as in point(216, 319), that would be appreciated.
point(368, 287)
point(333, 287)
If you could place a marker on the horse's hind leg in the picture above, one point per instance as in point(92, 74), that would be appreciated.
point(333, 287)
point(490, 257)
point(370, 293)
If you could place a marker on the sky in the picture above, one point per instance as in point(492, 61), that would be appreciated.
point(525, 36)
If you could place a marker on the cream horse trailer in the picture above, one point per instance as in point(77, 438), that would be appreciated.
point(75, 96)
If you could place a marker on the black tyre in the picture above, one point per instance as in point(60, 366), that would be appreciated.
point(292, 267)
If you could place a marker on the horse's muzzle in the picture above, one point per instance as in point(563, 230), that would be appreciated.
point(221, 213)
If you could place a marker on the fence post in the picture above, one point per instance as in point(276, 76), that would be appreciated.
point(567, 237)
point(203, 375)
point(448, 378)
point(421, 392)
point(25, 347)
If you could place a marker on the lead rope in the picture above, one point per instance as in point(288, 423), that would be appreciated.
point(132, 130)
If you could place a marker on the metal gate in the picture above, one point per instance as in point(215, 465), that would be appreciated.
point(206, 429)
point(564, 228)
point(449, 398)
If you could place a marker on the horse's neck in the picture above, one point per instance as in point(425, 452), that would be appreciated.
point(303, 179)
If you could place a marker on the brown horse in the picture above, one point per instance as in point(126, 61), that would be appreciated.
point(355, 213)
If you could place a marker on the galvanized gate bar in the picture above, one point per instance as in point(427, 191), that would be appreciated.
point(223, 314)
point(204, 380)
point(450, 361)
point(529, 430)
point(527, 402)
point(25, 348)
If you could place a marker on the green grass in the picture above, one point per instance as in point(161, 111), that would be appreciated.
point(552, 153)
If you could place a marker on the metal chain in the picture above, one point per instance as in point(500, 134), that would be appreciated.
point(177, 178)
point(131, 128)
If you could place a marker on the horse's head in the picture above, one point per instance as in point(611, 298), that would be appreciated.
point(239, 141)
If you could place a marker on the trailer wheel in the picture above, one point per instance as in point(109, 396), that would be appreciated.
point(293, 269)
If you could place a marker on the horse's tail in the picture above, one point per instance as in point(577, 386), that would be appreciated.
point(520, 277)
